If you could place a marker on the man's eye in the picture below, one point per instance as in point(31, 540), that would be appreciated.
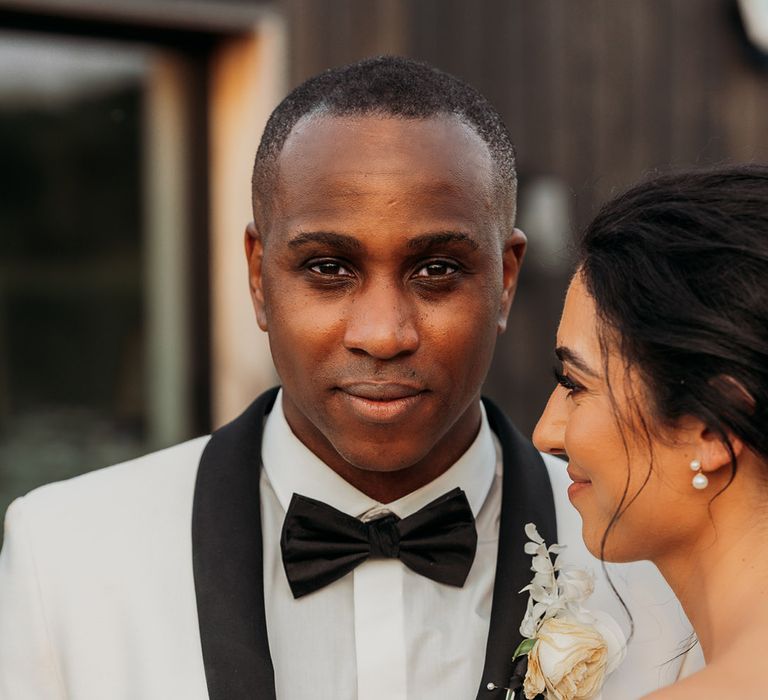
point(331, 268)
point(438, 268)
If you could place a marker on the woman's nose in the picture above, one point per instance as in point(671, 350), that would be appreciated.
point(548, 436)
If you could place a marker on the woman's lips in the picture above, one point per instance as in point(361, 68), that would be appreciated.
point(580, 483)
point(378, 402)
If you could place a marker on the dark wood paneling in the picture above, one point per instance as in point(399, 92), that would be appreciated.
point(597, 93)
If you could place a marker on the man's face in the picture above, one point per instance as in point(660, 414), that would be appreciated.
point(383, 279)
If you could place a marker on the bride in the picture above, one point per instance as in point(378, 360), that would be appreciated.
point(662, 406)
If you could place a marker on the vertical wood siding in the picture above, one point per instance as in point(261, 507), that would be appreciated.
point(596, 93)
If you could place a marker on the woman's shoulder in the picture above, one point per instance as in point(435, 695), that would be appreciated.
point(714, 683)
point(682, 690)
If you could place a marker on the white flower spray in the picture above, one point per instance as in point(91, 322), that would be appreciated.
point(570, 649)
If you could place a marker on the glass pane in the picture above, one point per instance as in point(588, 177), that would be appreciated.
point(71, 290)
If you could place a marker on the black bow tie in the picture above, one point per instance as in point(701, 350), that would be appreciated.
point(321, 544)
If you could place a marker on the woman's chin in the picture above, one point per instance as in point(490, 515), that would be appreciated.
point(613, 550)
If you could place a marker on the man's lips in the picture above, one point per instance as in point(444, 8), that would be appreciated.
point(381, 402)
point(381, 391)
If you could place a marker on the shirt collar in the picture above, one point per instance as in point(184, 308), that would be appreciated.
point(292, 468)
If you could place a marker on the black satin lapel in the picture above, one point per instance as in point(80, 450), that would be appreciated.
point(526, 498)
point(227, 560)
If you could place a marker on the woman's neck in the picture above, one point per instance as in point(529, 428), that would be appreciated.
point(722, 579)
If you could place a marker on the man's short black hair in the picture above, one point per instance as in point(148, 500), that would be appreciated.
point(384, 86)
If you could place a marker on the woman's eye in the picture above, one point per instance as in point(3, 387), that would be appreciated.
point(330, 268)
point(439, 268)
point(566, 382)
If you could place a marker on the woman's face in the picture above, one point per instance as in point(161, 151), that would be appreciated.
point(611, 456)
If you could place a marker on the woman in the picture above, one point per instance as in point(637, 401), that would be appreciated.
point(662, 406)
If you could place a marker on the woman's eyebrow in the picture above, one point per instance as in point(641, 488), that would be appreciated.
point(565, 354)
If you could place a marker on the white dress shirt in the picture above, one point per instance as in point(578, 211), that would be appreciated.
point(382, 632)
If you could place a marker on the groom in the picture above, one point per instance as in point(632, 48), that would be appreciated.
point(358, 533)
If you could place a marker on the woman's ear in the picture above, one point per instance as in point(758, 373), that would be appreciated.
point(254, 254)
point(714, 452)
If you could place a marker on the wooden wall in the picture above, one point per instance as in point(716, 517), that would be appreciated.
point(596, 94)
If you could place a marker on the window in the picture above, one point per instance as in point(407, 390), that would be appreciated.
point(92, 371)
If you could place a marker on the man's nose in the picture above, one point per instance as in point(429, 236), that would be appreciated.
point(549, 433)
point(382, 322)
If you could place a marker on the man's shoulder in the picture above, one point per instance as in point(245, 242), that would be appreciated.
point(150, 473)
point(137, 490)
point(98, 562)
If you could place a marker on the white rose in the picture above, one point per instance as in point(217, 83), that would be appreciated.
point(569, 661)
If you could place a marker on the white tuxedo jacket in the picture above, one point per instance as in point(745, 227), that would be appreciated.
point(143, 581)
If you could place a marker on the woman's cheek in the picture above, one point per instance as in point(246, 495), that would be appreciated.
point(594, 445)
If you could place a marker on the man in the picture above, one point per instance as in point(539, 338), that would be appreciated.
point(265, 561)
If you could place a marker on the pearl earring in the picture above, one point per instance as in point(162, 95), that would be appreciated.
point(700, 480)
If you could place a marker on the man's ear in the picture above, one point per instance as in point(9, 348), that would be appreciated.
point(254, 254)
point(512, 259)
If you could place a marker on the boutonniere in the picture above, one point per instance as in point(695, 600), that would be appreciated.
point(569, 650)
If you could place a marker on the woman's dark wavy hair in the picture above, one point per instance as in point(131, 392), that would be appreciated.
point(678, 270)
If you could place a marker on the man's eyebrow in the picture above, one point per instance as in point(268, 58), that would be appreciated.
point(328, 238)
point(565, 354)
point(428, 240)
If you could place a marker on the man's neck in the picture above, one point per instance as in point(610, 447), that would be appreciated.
point(293, 466)
point(388, 485)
